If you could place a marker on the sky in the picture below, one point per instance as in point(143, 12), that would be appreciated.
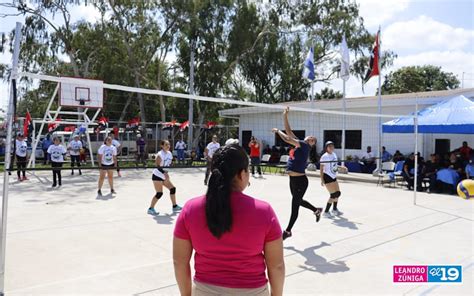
point(420, 32)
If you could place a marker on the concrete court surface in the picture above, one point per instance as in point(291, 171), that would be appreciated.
point(69, 242)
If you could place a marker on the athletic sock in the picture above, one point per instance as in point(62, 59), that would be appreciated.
point(328, 206)
point(334, 206)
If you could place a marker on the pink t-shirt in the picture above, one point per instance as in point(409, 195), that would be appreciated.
point(236, 259)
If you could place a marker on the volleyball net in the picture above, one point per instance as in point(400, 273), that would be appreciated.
point(357, 135)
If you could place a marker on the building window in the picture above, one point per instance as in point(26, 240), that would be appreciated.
point(300, 134)
point(334, 136)
point(353, 138)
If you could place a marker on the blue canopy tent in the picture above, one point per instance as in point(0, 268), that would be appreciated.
point(453, 116)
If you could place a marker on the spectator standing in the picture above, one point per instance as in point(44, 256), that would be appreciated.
point(180, 147)
point(254, 146)
point(211, 148)
point(44, 146)
point(141, 154)
point(21, 154)
point(465, 151)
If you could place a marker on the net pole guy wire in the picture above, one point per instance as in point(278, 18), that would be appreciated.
point(10, 117)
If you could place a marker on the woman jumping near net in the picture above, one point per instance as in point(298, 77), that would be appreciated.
point(160, 178)
point(296, 168)
point(329, 168)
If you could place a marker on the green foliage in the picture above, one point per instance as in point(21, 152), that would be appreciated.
point(243, 49)
point(418, 79)
point(328, 94)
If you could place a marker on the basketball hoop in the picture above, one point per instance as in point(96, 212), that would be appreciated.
point(80, 92)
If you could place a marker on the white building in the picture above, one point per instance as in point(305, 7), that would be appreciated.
point(361, 131)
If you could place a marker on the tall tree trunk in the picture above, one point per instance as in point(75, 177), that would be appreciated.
point(162, 102)
point(140, 99)
point(127, 103)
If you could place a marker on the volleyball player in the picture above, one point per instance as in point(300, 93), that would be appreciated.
point(328, 172)
point(56, 155)
point(160, 178)
point(118, 146)
point(296, 168)
point(20, 153)
point(208, 152)
point(107, 161)
point(74, 148)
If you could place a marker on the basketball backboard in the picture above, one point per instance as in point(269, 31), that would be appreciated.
point(80, 92)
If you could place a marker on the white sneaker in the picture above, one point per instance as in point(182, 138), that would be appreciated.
point(327, 215)
point(337, 213)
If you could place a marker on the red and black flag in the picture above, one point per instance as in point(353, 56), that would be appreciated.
point(374, 60)
point(54, 126)
point(167, 126)
point(183, 126)
point(103, 123)
point(133, 123)
point(27, 124)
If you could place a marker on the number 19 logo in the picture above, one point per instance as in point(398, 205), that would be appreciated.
point(445, 273)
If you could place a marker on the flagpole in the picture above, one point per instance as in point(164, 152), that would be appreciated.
point(379, 160)
point(312, 106)
point(343, 121)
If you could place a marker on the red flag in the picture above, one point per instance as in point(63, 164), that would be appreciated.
point(103, 121)
point(374, 60)
point(26, 124)
point(210, 124)
point(133, 123)
point(184, 125)
point(70, 128)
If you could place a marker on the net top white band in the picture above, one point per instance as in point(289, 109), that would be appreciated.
point(87, 82)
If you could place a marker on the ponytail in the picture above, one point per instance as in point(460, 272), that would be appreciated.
point(227, 162)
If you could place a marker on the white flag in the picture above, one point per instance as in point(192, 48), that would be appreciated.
point(345, 63)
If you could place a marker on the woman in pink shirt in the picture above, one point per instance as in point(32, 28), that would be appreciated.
point(235, 237)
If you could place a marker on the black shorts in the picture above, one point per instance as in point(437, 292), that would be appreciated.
point(107, 167)
point(255, 160)
point(156, 178)
point(328, 179)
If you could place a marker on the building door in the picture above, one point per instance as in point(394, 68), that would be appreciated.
point(246, 135)
point(442, 146)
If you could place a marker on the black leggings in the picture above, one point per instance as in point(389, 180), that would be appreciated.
point(20, 165)
point(56, 172)
point(75, 159)
point(298, 186)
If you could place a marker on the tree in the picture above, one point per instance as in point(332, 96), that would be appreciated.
point(328, 94)
point(418, 79)
point(269, 44)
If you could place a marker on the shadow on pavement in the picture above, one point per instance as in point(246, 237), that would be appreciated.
point(318, 263)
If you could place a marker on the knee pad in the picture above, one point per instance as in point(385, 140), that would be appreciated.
point(173, 190)
point(337, 194)
point(158, 195)
point(334, 195)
